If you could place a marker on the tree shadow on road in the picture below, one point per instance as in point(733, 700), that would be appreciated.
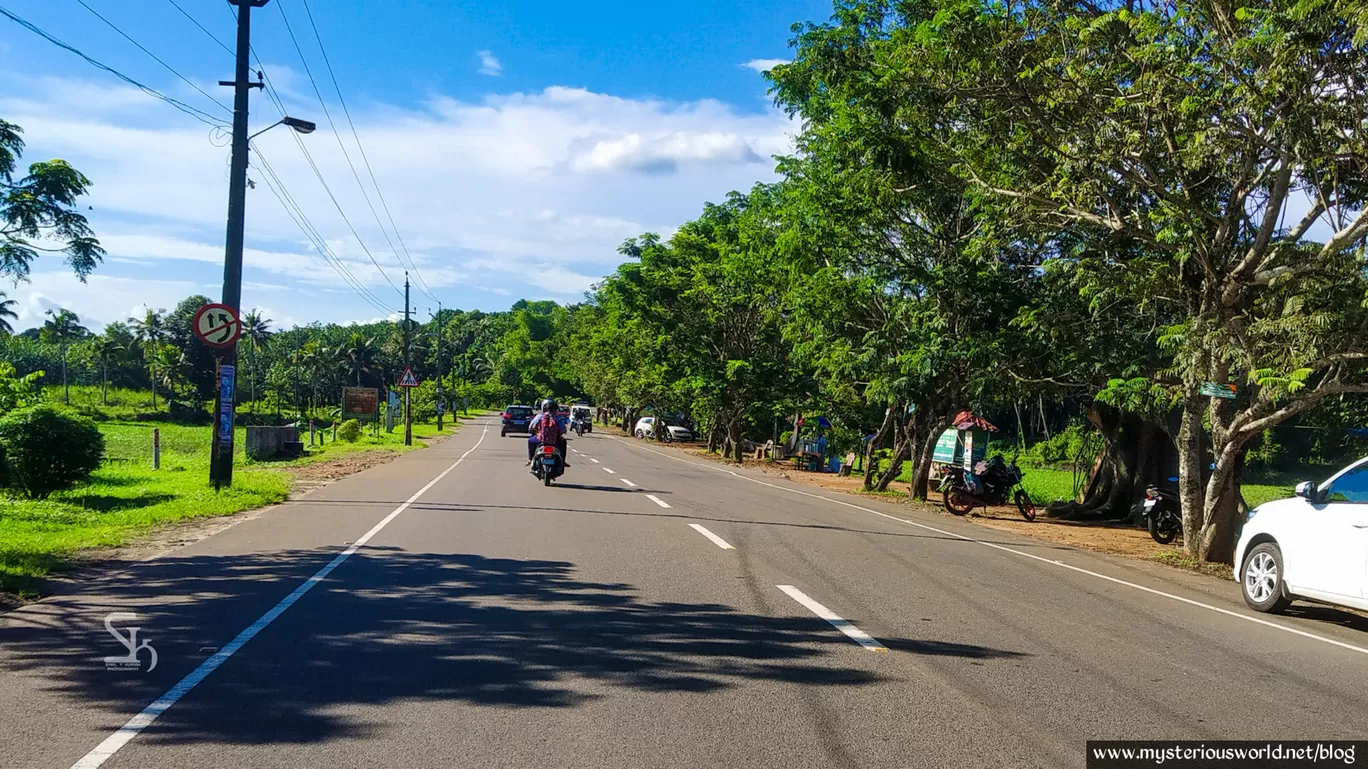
point(390, 626)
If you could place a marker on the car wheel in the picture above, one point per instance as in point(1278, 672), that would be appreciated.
point(503, 433)
point(1262, 580)
point(640, 434)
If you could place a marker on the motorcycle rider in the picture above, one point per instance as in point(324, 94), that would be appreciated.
point(545, 428)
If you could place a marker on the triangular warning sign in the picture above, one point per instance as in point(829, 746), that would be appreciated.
point(407, 379)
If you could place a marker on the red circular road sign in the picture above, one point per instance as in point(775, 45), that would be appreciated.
point(217, 325)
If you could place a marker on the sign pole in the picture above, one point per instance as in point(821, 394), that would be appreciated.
point(408, 413)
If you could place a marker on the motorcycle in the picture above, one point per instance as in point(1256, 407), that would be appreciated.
point(1163, 514)
point(547, 464)
point(995, 483)
point(578, 426)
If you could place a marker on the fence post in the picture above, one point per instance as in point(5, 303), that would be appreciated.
point(311, 432)
point(334, 432)
point(156, 448)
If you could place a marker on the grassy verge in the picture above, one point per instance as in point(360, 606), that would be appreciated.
point(126, 498)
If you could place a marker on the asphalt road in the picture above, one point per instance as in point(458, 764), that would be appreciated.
point(492, 622)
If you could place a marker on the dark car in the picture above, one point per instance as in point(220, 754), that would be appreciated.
point(516, 419)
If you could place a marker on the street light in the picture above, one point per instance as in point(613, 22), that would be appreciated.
point(302, 126)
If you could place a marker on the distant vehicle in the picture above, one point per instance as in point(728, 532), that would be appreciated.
point(581, 419)
point(1313, 546)
point(645, 428)
point(515, 419)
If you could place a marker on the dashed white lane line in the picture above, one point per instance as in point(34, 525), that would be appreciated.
point(629, 483)
point(857, 635)
point(609, 471)
point(111, 744)
point(656, 500)
point(595, 461)
point(1032, 556)
point(716, 540)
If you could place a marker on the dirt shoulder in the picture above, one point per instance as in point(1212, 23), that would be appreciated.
point(1102, 537)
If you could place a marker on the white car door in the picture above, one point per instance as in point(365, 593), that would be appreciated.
point(1340, 542)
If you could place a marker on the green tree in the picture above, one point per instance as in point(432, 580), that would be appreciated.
point(62, 328)
point(41, 207)
point(106, 347)
point(150, 332)
point(256, 332)
point(7, 314)
point(358, 356)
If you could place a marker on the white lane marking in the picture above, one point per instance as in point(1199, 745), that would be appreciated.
point(656, 500)
point(716, 540)
point(606, 470)
point(1032, 556)
point(595, 461)
point(629, 483)
point(111, 744)
point(857, 635)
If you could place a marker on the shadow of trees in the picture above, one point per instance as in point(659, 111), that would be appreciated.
point(393, 626)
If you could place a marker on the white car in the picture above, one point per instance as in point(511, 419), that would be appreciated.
point(645, 428)
point(1314, 545)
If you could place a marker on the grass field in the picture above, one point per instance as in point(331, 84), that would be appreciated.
point(126, 498)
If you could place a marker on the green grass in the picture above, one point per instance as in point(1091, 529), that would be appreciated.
point(126, 498)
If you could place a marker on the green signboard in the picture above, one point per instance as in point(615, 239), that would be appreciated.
point(1214, 390)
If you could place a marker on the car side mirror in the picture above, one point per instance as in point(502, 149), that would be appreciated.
point(1307, 490)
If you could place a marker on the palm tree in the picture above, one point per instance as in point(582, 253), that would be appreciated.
point(169, 363)
point(357, 355)
point(150, 330)
point(63, 327)
point(104, 347)
point(256, 331)
point(6, 312)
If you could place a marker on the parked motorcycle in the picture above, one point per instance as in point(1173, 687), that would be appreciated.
point(1163, 513)
point(995, 483)
point(547, 464)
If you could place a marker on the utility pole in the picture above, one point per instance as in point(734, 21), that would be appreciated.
point(408, 413)
point(221, 462)
point(439, 367)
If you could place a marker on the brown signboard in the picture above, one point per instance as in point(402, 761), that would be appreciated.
point(360, 403)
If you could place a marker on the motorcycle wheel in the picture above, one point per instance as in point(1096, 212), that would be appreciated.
point(957, 502)
point(1024, 505)
point(546, 479)
point(1162, 533)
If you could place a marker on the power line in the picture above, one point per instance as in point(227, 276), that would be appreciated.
point(155, 58)
point(341, 145)
point(198, 114)
point(211, 35)
point(355, 135)
point(296, 213)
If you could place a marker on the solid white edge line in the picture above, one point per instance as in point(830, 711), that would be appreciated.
point(629, 483)
point(857, 635)
point(1051, 561)
point(716, 540)
point(111, 744)
point(657, 500)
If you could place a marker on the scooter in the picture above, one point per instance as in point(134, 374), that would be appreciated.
point(1163, 514)
point(547, 464)
point(963, 491)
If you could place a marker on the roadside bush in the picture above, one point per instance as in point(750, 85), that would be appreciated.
point(349, 430)
point(49, 449)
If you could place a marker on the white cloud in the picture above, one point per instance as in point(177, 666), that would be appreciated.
point(516, 194)
point(489, 64)
point(764, 65)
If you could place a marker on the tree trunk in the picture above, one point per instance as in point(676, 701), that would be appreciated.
point(104, 383)
point(734, 438)
point(793, 436)
point(873, 446)
point(712, 435)
point(926, 452)
point(902, 449)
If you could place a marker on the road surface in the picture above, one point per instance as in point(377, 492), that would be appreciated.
point(654, 610)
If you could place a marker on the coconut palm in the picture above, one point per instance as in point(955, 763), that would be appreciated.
point(357, 355)
point(6, 313)
point(150, 330)
point(104, 348)
point(63, 327)
point(256, 332)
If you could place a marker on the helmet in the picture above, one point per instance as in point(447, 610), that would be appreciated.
point(548, 406)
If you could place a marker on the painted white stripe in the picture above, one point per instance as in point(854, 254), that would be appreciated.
point(629, 483)
point(606, 470)
point(656, 500)
point(111, 744)
point(1032, 556)
point(857, 635)
point(716, 540)
point(595, 461)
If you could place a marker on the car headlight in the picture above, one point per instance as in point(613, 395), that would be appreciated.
point(1249, 516)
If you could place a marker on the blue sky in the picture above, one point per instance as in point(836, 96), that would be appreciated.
point(515, 143)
